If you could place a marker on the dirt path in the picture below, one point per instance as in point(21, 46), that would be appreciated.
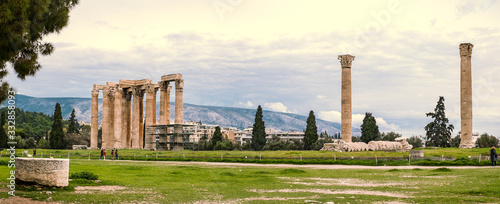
point(311, 166)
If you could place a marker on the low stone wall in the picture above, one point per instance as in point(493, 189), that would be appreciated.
point(43, 171)
point(341, 146)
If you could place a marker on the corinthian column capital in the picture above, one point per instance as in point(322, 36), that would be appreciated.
point(179, 83)
point(346, 60)
point(466, 49)
point(95, 92)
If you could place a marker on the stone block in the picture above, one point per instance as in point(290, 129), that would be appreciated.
point(43, 171)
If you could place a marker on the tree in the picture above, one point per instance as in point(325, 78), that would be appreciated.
point(455, 142)
point(438, 131)
point(369, 129)
point(23, 24)
point(56, 138)
point(3, 135)
point(390, 136)
point(311, 134)
point(217, 137)
point(73, 123)
point(259, 131)
point(415, 141)
point(486, 140)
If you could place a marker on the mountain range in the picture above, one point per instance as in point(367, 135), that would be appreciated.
point(214, 115)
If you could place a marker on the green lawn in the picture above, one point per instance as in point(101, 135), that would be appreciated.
point(167, 182)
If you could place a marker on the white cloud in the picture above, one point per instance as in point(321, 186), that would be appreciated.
point(320, 96)
point(278, 107)
point(248, 104)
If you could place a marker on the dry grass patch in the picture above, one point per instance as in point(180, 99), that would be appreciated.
point(331, 192)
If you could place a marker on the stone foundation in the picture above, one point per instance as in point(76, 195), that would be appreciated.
point(342, 146)
point(47, 172)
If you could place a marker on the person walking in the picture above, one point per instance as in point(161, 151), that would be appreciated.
point(112, 154)
point(493, 156)
point(102, 154)
point(34, 152)
point(116, 154)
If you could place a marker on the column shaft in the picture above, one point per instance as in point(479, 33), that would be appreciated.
point(178, 137)
point(346, 102)
point(150, 104)
point(94, 123)
point(105, 117)
point(167, 105)
point(126, 99)
point(163, 104)
point(118, 122)
point(136, 118)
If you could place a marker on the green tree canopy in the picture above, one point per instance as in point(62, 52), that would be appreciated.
point(438, 131)
point(311, 134)
point(486, 140)
point(415, 141)
point(217, 136)
point(390, 136)
point(56, 139)
point(3, 134)
point(73, 123)
point(23, 24)
point(369, 129)
point(259, 131)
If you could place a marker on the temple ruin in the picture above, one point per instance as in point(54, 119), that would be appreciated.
point(123, 118)
point(346, 117)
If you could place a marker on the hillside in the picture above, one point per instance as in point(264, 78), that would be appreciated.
point(223, 116)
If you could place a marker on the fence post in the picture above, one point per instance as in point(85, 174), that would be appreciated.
point(260, 157)
point(89, 156)
point(300, 157)
point(334, 157)
point(409, 160)
point(50, 154)
point(183, 156)
point(376, 161)
point(134, 155)
point(221, 155)
point(480, 158)
point(68, 155)
point(156, 155)
point(442, 157)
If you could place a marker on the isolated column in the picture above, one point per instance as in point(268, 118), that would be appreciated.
point(466, 95)
point(94, 123)
point(178, 137)
point(346, 102)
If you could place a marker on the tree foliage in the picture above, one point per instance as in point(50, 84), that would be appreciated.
point(3, 134)
point(390, 136)
point(311, 134)
point(217, 137)
point(455, 142)
point(415, 141)
point(23, 24)
point(486, 140)
point(369, 129)
point(56, 138)
point(73, 123)
point(439, 131)
point(259, 131)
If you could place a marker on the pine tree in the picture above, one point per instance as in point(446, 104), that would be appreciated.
point(3, 135)
point(311, 134)
point(259, 131)
point(217, 136)
point(369, 129)
point(438, 131)
point(73, 123)
point(56, 139)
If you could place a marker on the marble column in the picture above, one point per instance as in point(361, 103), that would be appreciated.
point(346, 102)
point(163, 89)
point(106, 117)
point(466, 95)
point(136, 118)
point(150, 105)
point(154, 106)
point(141, 121)
point(167, 105)
point(126, 102)
point(94, 123)
point(118, 122)
point(111, 135)
point(178, 137)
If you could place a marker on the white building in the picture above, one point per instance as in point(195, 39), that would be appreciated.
point(244, 136)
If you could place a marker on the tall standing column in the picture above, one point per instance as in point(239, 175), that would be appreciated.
point(163, 104)
point(136, 117)
point(346, 117)
point(167, 105)
point(154, 105)
point(118, 122)
point(178, 137)
point(466, 95)
point(150, 105)
point(94, 123)
point(126, 102)
point(105, 117)
point(111, 133)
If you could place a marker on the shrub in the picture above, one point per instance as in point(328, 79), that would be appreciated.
point(84, 175)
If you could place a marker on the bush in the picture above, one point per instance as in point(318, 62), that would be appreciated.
point(486, 141)
point(84, 175)
point(224, 145)
point(415, 141)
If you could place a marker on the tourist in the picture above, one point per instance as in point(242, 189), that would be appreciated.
point(494, 156)
point(26, 152)
point(112, 154)
point(116, 154)
point(102, 154)
point(34, 152)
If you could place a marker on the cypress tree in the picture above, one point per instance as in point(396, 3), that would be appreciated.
point(438, 131)
point(259, 131)
point(369, 129)
point(56, 139)
point(311, 134)
point(3, 134)
point(73, 123)
point(217, 136)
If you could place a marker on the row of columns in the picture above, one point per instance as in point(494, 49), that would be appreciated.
point(465, 96)
point(123, 117)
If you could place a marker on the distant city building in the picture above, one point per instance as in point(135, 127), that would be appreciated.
point(244, 136)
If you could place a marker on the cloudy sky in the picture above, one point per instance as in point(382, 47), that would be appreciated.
point(282, 55)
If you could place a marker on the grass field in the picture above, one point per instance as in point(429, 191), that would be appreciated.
point(185, 182)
